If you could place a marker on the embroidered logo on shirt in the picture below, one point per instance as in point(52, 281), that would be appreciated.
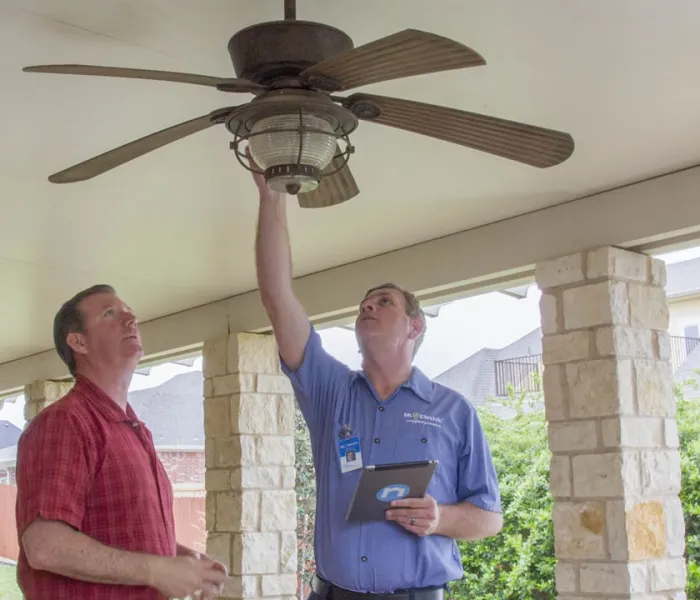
point(416, 417)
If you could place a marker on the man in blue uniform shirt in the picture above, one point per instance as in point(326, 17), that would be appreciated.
point(399, 415)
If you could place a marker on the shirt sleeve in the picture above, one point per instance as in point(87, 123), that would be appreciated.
point(319, 381)
point(53, 473)
point(477, 478)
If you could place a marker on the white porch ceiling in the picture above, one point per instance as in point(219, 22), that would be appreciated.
point(175, 229)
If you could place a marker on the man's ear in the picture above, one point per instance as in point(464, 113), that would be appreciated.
point(417, 327)
point(77, 343)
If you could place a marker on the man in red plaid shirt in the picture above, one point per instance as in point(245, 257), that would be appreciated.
point(94, 504)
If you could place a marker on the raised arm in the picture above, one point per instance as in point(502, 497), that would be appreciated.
point(274, 270)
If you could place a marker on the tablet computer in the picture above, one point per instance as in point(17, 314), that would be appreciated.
point(380, 484)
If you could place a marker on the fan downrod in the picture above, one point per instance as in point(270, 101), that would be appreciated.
point(290, 10)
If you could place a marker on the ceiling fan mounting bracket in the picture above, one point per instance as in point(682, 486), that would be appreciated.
point(261, 53)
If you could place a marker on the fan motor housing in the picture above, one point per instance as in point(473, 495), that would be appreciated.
point(281, 50)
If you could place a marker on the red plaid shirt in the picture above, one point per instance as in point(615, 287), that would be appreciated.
point(83, 461)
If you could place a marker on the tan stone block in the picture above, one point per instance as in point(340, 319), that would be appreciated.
point(598, 388)
point(288, 552)
point(242, 586)
point(658, 271)
point(566, 575)
point(234, 384)
point(255, 553)
point(624, 342)
point(554, 387)
point(214, 357)
point(286, 414)
point(675, 526)
point(632, 432)
point(636, 529)
point(256, 477)
point(219, 547)
point(560, 476)
point(663, 345)
point(648, 307)
point(273, 384)
point(654, 388)
point(217, 417)
point(572, 435)
point(671, 439)
point(209, 453)
point(217, 480)
point(661, 472)
point(238, 511)
point(617, 263)
point(565, 347)
point(279, 585)
point(667, 574)
point(603, 303)
point(253, 413)
point(275, 450)
point(210, 511)
point(579, 529)
point(559, 271)
point(289, 476)
point(605, 475)
point(279, 510)
point(605, 578)
point(208, 388)
point(253, 353)
point(548, 314)
point(234, 451)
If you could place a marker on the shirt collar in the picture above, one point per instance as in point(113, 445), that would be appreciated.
point(107, 407)
point(418, 383)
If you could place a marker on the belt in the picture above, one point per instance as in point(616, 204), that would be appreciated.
point(328, 591)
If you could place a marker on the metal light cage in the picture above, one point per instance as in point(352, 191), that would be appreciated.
point(243, 133)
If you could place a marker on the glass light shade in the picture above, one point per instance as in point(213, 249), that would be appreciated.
point(271, 148)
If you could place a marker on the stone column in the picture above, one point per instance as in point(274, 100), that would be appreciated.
point(39, 394)
point(249, 430)
point(608, 388)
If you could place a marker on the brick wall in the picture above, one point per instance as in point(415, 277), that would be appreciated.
point(184, 467)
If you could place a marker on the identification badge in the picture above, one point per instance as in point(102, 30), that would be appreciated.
point(350, 454)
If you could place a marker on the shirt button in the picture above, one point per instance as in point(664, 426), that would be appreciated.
point(376, 440)
point(364, 559)
point(424, 440)
point(381, 408)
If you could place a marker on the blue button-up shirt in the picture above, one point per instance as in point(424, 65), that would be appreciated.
point(421, 420)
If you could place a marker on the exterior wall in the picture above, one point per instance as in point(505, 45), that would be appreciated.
point(684, 312)
point(615, 473)
point(184, 467)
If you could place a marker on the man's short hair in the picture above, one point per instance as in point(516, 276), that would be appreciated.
point(412, 306)
point(69, 319)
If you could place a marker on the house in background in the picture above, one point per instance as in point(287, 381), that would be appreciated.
point(489, 372)
point(9, 434)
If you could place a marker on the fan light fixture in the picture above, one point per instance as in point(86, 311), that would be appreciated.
point(292, 150)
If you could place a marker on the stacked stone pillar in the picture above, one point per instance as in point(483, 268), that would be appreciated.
point(250, 499)
point(40, 394)
point(608, 388)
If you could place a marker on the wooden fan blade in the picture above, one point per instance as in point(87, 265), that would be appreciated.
point(333, 189)
point(403, 54)
point(114, 158)
point(524, 143)
point(229, 85)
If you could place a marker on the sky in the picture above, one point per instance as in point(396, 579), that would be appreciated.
point(461, 328)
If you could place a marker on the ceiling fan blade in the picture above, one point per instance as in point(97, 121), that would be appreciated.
point(229, 85)
point(114, 158)
point(524, 143)
point(403, 54)
point(333, 189)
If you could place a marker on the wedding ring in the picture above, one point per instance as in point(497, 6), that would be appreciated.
point(411, 521)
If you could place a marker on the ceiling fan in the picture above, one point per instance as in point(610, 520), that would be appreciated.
point(298, 131)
